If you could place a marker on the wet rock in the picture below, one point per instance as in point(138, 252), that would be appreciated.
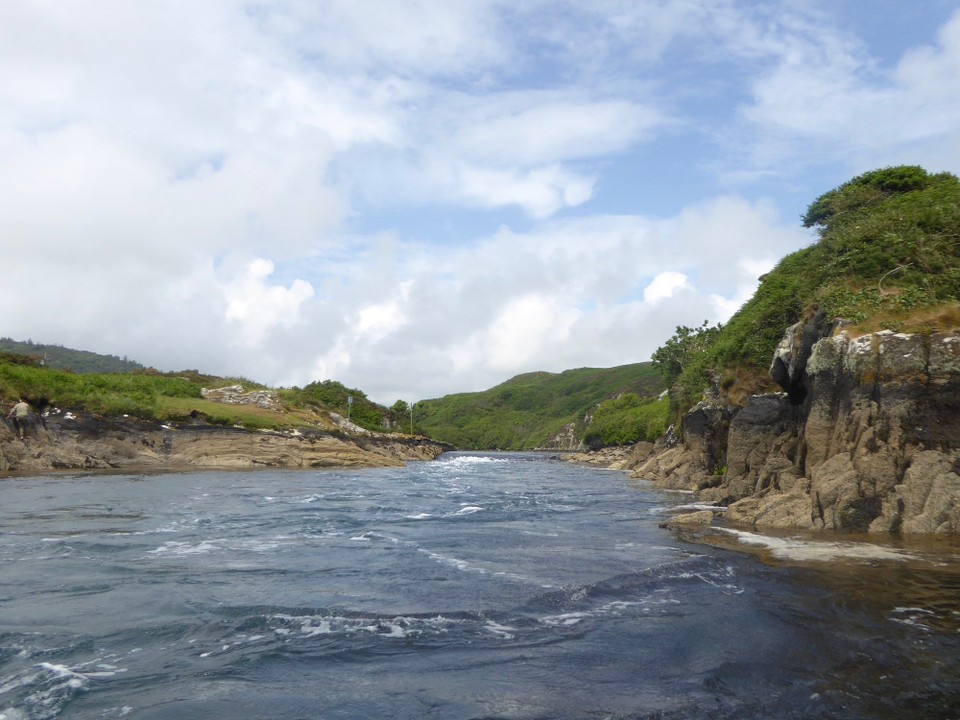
point(696, 519)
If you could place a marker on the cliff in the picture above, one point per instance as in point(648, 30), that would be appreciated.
point(864, 437)
point(83, 441)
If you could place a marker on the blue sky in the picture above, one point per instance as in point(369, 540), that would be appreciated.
point(418, 197)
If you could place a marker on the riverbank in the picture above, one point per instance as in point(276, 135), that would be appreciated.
point(79, 441)
point(864, 439)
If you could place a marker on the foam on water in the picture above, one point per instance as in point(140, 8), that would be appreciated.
point(308, 626)
point(47, 687)
point(646, 605)
point(914, 617)
point(205, 547)
point(461, 565)
point(468, 510)
point(465, 460)
point(814, 550)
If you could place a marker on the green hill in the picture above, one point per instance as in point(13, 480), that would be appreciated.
point(526, 411)
point(887, 257)
point(64, 358)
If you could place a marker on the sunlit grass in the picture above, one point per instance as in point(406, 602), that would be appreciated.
point(248, 416)
point(931, 319)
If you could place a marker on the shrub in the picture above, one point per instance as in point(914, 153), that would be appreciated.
point(626, 420)
point(889, 248)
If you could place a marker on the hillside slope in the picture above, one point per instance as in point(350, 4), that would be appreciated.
point(860, 336)
point(887, 258)
point(526, 411)
point(64, 358)
point(153, 420)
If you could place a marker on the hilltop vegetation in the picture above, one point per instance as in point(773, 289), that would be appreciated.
point(887, 257)
point(64, 358)
point(526, 411)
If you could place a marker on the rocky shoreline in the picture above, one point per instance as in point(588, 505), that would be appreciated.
point(68, 441)
point(865, 437)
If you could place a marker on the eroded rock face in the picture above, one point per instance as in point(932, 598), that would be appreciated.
point(866, 436)
point(237, 395)
point(565, 439)
point(695, 462)
point(71, 442)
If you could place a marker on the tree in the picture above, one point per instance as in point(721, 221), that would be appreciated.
point(400, 407)
point(687, 343)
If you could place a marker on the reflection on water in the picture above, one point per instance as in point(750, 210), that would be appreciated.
point(911, 580)
point(896, 600)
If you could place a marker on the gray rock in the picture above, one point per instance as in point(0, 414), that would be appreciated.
point(866, 437)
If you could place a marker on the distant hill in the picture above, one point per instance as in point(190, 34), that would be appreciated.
point(64, 358)
point(527, 411)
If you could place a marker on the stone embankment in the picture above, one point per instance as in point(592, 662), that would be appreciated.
point(864, 437)
point(69, 441)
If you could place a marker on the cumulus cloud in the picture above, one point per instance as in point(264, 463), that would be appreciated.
point(259, 307)
point(594, 291)
point(664, 285)
point(423, 197)
point(830, 96)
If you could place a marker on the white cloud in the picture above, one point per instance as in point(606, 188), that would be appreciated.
point(664, 285)
point(826, 95)
point(290, 190)
point(536, 128)
point(420, 37)
point(524, 328)
point(258, 307)
point(378, 321)
point(540, 192)
point(595, 291)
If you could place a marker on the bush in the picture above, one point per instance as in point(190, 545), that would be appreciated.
point(626, 420)
point(889, 247)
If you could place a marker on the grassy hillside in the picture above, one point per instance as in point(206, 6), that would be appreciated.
point(522, 413)
point(177, 397)
point(887, 257)
point(64, 358)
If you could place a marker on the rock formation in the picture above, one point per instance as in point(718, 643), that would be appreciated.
point(238, 395)
point(68, 441)
point(865, 437)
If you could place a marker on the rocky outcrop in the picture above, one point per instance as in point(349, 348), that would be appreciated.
point(567, 438)
point(237, 395)
point(615, 458)
point(694, 460)
point(865, 437)
point(68, 441)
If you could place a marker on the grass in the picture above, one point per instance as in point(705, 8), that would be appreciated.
point(172, 397)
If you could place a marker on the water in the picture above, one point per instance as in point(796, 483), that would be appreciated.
point(505, 586)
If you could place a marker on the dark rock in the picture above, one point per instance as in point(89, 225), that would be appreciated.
point(865, 437)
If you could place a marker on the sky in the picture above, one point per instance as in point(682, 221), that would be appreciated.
point(422, 197)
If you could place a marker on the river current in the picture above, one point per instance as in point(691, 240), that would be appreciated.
point(474, 586)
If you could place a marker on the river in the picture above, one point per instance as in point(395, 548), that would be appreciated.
point(475, 586)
